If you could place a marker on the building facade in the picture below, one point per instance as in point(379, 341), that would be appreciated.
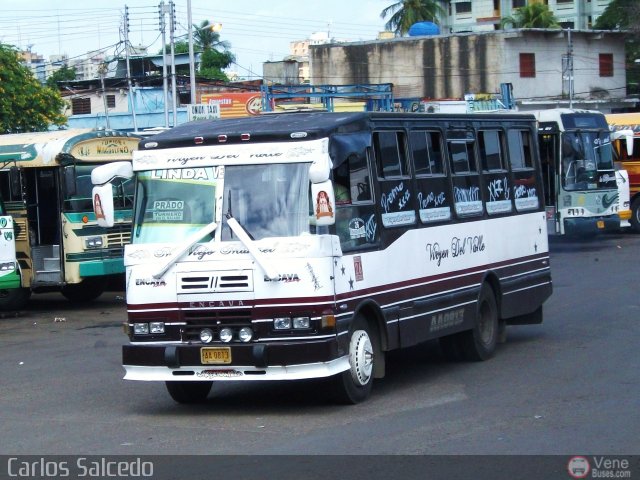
point(485, 15)
point(534, 61)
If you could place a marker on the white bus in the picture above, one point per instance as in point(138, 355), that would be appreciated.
point(306, 245)
point(581, 192)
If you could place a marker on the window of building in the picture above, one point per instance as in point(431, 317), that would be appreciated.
point(606, 65)
point(564, 1)
point(111, 101)
point(463, 7)
point(518, 3)
point(527, 65)
point(80, 106)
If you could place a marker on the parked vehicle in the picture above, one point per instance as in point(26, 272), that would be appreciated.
point(581, 193)
point(46, 185)
point(9, 278)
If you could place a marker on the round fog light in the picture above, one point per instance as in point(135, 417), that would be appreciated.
point(206, 335)
point(245, 334)
point(226, 334)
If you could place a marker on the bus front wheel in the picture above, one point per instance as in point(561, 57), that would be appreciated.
point(189, 392)
point(479, 343)
point(85, 291)
point(635, 215)
point(354, 385)
point(14, 298)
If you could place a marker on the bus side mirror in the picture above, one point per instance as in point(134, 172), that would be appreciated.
point(14, 178)
point(103, 204)
point(320, 169)
point(106, 173)
point(324, 203)
point(69, 174)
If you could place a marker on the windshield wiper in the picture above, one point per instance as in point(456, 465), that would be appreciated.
point(248, 242)
point(189, 242)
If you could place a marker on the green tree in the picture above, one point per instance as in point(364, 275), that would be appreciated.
point(407, 12)
point(625, 15)
point(63, 74)
point(25, 105)
point(533, 15)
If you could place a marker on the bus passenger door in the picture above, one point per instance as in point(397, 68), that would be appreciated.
point(43, 211)
point(549, 148)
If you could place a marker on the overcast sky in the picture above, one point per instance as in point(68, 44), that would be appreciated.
point(257, 30)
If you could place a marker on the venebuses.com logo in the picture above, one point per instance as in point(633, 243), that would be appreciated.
point(598, 467)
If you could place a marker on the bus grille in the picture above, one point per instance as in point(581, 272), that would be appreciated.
point(118, 235)
point(204, 282)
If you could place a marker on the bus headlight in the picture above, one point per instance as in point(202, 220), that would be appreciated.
point(7, 267)
point(301, 322)
point(140, 328)
point(93, 242)
point(226, 334)
point(282, 323)
point(245, 334)
point(156, 327)
point(206, 335)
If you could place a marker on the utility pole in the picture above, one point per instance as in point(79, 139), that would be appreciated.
point(192, 68)
point(172, 29)
point(131, 94)
point(162, 11)
point(567, 70)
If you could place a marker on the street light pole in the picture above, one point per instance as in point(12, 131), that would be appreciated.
point(172, 28)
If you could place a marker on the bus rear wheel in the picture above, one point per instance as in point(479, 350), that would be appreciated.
point(189, 392)
point(354, 385)
point(479, 343)
point(87, 290)
point(14, 298)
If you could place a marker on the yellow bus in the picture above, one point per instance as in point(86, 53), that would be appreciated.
point(45, 181)
point(631, 163)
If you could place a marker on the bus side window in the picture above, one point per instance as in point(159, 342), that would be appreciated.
point(467, 195)
point(356, 224)
point(496, 177)
point(525, 189)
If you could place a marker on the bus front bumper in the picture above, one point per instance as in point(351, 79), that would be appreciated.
point(9, 280)
point(591, 225)
point(249, 362)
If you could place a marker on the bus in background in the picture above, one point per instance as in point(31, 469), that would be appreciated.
point(45, 181)
point(630, 160)
point(303, 245)
point(622, 142)
point(9, 279)
point(581, 193)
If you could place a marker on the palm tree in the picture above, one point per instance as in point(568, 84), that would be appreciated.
point(205, 37)
point(534, 15)
point(407, 12)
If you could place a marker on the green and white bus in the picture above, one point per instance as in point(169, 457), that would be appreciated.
point(9, 278)
point(581, 193)
point(45, 181)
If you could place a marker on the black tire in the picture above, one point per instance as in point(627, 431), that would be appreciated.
point(14, 299)
point(635, 215)
point(87, 290)
point(189, 392)
point(479, 343)
point(354, 385)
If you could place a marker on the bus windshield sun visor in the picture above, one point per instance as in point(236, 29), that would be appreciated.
point(344, 145)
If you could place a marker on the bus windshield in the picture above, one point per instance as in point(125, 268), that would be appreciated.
point(267, 200)
point(587, 160)
point(82, 202)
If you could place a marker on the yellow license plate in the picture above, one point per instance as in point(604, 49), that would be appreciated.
point(215, 355)
point(600, 223)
